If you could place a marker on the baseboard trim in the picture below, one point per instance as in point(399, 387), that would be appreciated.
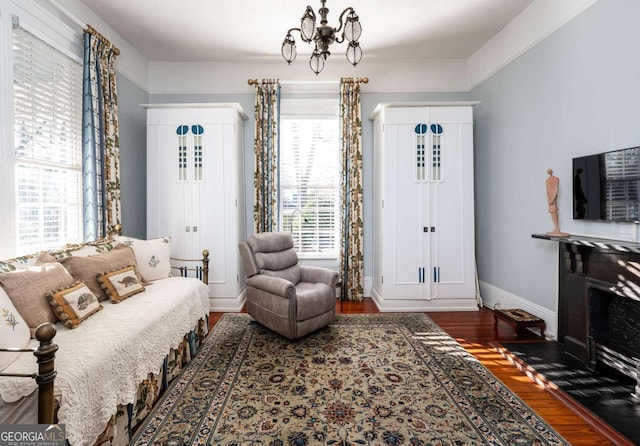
point(228, 304)
point(494, 297)
point(413, 305)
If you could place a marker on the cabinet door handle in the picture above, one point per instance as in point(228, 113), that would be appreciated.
point(195, 229)
point(188, 229)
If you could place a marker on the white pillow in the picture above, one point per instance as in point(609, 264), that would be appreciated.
point(14, 331)
point(152, 256)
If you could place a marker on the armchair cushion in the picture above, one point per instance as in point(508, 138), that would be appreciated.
point(251, 267)
point(270, 241)
point(274, 285)
point(315, 274)
point(291, 274)
point(274, 255)
point(313, 299)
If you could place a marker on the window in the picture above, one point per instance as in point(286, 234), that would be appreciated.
point(47, 111)
point(309, 182)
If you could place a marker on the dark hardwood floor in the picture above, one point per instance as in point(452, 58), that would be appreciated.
point(474, 331)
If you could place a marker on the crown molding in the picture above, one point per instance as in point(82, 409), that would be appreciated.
point(530, 27)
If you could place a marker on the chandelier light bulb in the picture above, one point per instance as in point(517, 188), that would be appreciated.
point(289, 51)
point(323, 36)
point(352, 28)
point(308, 25)
point(316, 62)
point(354, 53)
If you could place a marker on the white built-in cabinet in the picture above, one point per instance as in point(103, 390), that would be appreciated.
point(195, 191)
point(423, 206)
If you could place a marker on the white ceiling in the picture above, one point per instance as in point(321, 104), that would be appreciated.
point(209, 30)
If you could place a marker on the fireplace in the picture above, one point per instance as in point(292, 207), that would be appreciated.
point(613, 329)
point(599, 302)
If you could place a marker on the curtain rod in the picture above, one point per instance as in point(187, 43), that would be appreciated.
point(84, 26)
point(91, 30)
point(364, 80)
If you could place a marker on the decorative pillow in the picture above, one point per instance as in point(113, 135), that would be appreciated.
point(120, 283)
point(73, 304)
point(19, 262)
point(44, 257)
point(27, 290)
point(86, 249)
point(152, 256)
point(86, 269)
point(14, 331)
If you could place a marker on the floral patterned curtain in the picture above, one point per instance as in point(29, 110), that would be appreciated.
point(266, 148)
point(100, 145)
point(351, 253)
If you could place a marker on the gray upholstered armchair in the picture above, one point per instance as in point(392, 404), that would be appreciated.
point(289, 299)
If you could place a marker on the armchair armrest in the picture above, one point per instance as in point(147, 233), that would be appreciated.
point(316, 274)
point(273, 285)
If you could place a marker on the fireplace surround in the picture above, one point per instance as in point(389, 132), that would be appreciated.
point(599, 303)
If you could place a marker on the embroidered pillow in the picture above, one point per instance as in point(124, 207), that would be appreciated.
point(152, 256)
point(14, 332)
point(73, 304)
point(19, 262)
point(120, 283)
point(86, 269)
point(27, 289)
point(86, 249)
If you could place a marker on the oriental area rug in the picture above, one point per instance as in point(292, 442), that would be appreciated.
point(379, 379)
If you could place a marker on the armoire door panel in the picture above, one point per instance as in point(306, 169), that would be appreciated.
point(162, 218)
point(406, 209)
point(449, 209)
point(212, 202)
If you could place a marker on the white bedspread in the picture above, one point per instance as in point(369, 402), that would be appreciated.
point(101, 363)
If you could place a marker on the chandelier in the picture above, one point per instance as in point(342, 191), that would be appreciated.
point(324, 35)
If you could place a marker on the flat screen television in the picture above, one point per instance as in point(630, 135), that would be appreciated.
point(606, 186)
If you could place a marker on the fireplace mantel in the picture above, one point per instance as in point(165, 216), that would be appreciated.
point(593, 242)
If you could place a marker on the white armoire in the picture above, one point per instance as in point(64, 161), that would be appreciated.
point(423, 208)
point(195, 189)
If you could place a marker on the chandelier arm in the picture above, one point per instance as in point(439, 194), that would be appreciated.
point(313, 13)
point(301, 36)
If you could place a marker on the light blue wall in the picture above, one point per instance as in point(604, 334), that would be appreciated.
point(575, 93)
point(133, 156)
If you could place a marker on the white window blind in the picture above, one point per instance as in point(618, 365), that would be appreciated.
point(47, 111)
point(309, 179)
